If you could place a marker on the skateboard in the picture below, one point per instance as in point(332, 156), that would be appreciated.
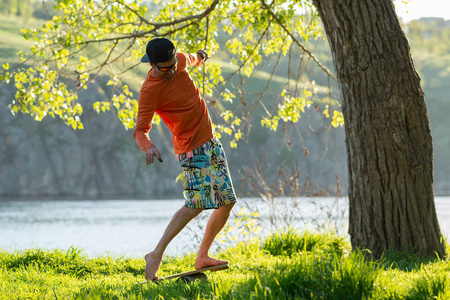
point(191, 276)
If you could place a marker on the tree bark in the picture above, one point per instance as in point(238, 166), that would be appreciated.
point(388, 137)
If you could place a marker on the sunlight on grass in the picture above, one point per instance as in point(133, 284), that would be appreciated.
point(286, 265)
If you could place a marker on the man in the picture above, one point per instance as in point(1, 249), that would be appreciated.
point(169, 91)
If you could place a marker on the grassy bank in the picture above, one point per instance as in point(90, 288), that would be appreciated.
point(288, 265)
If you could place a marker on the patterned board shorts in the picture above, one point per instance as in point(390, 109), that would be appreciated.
point(206, 178)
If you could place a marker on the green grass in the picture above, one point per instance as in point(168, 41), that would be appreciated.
point(286, 265)
point(12, 40)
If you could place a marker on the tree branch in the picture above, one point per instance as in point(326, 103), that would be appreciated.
point(329, 73)
point(182, 20)
point(195, 18)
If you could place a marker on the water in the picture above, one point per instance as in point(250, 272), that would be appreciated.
point(115, 227)
point(119, 227)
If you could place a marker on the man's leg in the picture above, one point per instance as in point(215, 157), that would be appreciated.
point(179, 220)
point(215, 223)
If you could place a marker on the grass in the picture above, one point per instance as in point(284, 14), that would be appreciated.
point(286, 265)
point(12, 40)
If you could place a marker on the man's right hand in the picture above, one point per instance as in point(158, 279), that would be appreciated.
point(149, 156)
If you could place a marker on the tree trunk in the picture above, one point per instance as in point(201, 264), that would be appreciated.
point(388, 137)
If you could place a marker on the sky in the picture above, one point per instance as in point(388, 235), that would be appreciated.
point(409, 10)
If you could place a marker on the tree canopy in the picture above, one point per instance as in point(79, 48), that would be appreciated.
point(86, 39)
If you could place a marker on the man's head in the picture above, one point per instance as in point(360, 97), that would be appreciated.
point(159, 50)
point(161, 54)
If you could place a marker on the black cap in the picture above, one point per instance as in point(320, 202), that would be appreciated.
point(158, 50)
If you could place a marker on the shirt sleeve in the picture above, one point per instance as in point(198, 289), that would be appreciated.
point(146, 110)
point(193, 59)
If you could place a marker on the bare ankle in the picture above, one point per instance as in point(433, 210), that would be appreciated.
point(201, 256)
point(153, 255)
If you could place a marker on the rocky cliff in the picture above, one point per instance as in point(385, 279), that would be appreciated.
point(49, 159)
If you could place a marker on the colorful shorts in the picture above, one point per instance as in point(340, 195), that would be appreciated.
point(206, 178)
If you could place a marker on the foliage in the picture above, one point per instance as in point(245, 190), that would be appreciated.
point(85, 39)
point(16, 7)
point(432, 36)
point(289, 242)
point(291, 198)
point(323, 270)
point(245, 226)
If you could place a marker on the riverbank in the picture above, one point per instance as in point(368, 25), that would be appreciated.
point(285, 265)
point(132, 227)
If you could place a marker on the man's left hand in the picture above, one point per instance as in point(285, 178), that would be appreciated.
point(203, 54)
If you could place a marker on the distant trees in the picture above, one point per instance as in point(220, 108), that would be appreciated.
point(17, 7)
point(40, 9)
point(430, 34)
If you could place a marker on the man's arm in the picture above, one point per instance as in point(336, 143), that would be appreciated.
point(143, 126)
point(196, 59)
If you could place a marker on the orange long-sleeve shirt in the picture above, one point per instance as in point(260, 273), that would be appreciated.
point(179, 105)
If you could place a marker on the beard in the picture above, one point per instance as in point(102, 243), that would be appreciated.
point(169, 75)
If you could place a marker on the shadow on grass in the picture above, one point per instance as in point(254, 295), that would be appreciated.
point(405, 261)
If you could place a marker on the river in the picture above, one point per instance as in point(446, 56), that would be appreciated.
point(132, 227)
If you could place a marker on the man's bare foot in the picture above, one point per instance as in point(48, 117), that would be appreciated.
point(203, 262)
point(152, 263)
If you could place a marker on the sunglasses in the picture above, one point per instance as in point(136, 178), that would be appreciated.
point(166, 69)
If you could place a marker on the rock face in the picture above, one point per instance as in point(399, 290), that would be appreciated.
point(49, 159)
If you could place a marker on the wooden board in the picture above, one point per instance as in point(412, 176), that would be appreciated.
point(193, 272)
